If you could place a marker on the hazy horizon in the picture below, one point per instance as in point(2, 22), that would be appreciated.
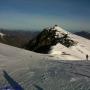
point(72, 15)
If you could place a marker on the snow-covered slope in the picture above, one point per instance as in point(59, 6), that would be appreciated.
point(1, 35)
point(60, 44)
point(25, 70)
point(77, 51)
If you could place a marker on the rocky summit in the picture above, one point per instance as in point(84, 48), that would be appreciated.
point(49, 37)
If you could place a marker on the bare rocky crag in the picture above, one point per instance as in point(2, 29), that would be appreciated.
point(47, 38)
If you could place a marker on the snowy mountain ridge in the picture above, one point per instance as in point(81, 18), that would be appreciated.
point(59, 31)
point(79, 50)
point(60, 43)
point(48, 38)
point(26, 70)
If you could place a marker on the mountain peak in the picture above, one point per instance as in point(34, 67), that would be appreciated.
point(49, 37)
point(57, 28)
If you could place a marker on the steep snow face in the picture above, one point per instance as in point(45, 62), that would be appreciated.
point(77, 51)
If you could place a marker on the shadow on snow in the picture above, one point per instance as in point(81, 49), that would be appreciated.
point(12, 82)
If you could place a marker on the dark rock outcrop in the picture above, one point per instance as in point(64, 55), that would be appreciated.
point(47, 38)
point(83, 34)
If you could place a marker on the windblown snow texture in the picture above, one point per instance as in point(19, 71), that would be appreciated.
point(25, 70)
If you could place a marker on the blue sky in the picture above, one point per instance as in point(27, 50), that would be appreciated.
point(38, 14)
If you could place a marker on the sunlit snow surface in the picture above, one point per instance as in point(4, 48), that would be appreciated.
point(25, 70)
point(76, 52)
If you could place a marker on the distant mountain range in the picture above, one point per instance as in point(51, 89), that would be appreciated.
point(20, 38)
point(17, 38)
point(83, 34)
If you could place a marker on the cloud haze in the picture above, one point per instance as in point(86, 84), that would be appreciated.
point(32, 14)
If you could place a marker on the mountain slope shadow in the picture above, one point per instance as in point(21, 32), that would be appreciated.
point(38, 87)
point(12, 82)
